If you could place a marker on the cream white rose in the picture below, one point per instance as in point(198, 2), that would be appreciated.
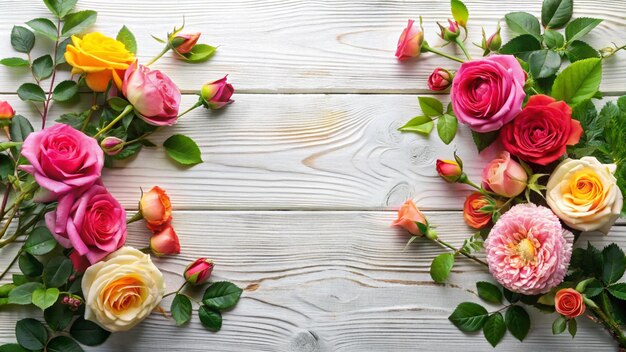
point(584, 194)
point(122, 290)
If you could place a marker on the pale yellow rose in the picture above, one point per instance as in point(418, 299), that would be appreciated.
point(584, 194)
point(122, 290)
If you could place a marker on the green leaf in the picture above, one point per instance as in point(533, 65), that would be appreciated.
point(14, 62)
point(57, 271)
point(483, 140)
point(431, 107)
point(222, 295)
point(45, 298)
point(31, 92)
point(183, 150)
point(22, 39)
point(40, 241)
point(578, 82)
point(544, 63)
point(419, 124)
point(65, 91)
point(572, 327)
point(6, 167)
point(580, 27)
point(59, 316)
point(88, 333)
point(23, 294)
point(618, 290)
point(29, 265)
point(31, 334)
point(42, 67)
point(469, 317)
point(12, 347)
point(593, 288)
point(521, 46)
point(210, 318)
point(459, 12)
point(553, 39)
point(614, 263)
point(489, 292)
point(200, 53)
point(518, 322)
point(60, 56)
point(523, 23)
point(494, 329)
point(181, 309)
point(63, 344)
point(447, 127)
point(559, 325)
point(579, 50)
point(60, 8)
point(77, 22)
point(119, 104)
point(441, 266)
point(44, 27)
point(128, 39)
point(556, 13)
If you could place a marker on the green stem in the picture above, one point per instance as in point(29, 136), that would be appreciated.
point(138, 216)
point(177, 291)
point(532, 89)
point(127, 110)
point(428, 48)
point(46, 104)
point(197, 104)
point(611, 326)
point(17, 256)
point(461, 251)
point(461, 45)
point(140, 138)
point(93, 108)
point(166, 49)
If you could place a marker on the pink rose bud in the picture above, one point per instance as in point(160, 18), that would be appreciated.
point(410, 42)
point(408, 217)
point(505, 176)
point(216, 95)
point(6, 111)
point(199, 271)
point(440, 79)
point(451, 32)
point(449, 170)
point(165, 242)
point(112, 145)
point(185, 42)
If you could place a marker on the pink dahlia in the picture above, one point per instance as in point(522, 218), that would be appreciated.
point(528, 250)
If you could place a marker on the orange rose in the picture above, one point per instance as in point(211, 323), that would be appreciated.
point(471, 210)
point(100, 58)
point(569, 303)
point(156, 208)
point(408, 217)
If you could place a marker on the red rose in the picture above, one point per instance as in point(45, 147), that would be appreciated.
point(541, 132)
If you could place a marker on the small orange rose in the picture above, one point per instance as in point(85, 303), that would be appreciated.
point(471, 211)
point(569, 303)
point(156, 208)
point(408, 217)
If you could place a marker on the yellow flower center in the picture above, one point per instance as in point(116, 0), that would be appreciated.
point(123, 294)
point(526, 250)
point(586, 188)
point(523, 252)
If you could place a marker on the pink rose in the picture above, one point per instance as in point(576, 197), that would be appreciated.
point(410, 42)
point(165, 242)
point(440, 79)
point(6, 111)
point(199, 271)
point(62, 159)
point(488, 93)
point(92, 223)
point(216, 95)
point(153, 95)
point(505, 176)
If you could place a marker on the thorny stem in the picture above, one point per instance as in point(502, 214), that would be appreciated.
point(46, 104)
point(611, 326)
point(460, 251)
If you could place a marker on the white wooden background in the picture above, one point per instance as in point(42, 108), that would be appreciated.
point(303, 173)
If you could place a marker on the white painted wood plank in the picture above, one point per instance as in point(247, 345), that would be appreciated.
point(307, 46)
point(327, 281)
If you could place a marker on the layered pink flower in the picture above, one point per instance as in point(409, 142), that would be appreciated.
point(504, 176)
point(92, 223)
point(62, 160)
point(488, 93)
point(528, 251)
point(153, 95)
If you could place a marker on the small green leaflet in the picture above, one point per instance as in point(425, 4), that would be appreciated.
point(183, 150)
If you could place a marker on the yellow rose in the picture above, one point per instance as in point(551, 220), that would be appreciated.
point(122, 290)
point(100, 58)
point(584, 194)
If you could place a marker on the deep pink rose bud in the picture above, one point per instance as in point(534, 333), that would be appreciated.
point(6, 110)
point(199, 271)
point(165, 242)
point(216, 95)
point(112, 145)
point(410, 42)
point(451, 32)
point(440, 79)
point(185, 42)
point(449, 170)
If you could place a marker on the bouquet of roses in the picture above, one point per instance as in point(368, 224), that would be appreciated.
point(561, 172)
point(74, 264)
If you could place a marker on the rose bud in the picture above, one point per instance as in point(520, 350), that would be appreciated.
point(216, 95)
point(408, 217)
point(451, 32)
point(472, 213)
point(495, 41)
point(410, 42)
point(449, 170)
point(156, 208)
point(112, 145)
point(6, 111)
point(440, 79)
point(199, 271)
point(183, 43)
point(569, 303)
point(165, 242)
point(505, 176)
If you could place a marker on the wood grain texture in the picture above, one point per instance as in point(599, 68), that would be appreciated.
point(305, 46)
point(328, 281)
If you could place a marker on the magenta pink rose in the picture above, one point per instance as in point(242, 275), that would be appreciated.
point(92, 223)
point(62, 159)
point(216, 95)
point(153, 95)
point(488, 93)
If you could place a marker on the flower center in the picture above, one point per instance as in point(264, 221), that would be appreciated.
point(526, 250)
point(123, 294)
point(586, 188)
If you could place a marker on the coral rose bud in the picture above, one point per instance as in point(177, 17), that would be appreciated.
point(199, 271)
point(472, 213)
point(185, 42)
point(408, 217)
point(449, 170)
point(165, 242)
point(569, 303)
point(451, 32)
point(505, 176)
point(156, 208)
point(440, 79)
point(410, 42)
point(216, 95)
point(112, 145)
point(6, 111)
